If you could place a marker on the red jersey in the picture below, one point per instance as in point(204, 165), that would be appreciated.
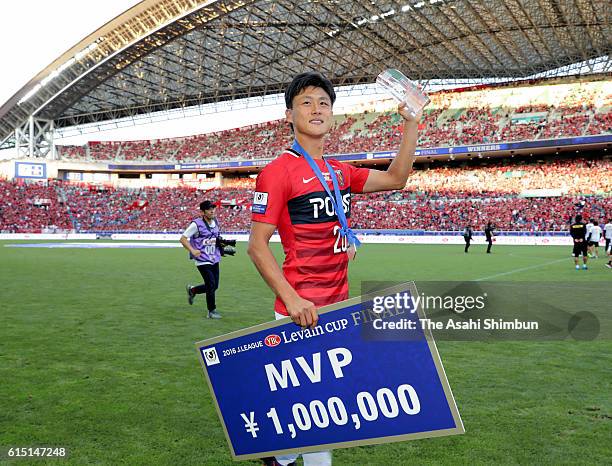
point(289, 195)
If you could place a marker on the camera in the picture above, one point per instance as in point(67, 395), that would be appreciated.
point(227, 246)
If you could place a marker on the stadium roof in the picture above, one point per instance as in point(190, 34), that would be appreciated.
point(168, 54)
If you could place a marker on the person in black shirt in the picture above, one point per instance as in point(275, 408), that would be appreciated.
point(578, 231)
point(467, 236)
point(489, 236)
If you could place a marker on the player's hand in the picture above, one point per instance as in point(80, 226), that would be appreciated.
point(407, 116)
point(196, 253)
point(303, 312)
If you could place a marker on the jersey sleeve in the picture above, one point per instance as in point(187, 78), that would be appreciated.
point(191, 230)
point(271, 195)
point(359, 176)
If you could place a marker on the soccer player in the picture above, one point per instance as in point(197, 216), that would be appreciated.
point(589, 226)
point(467, 236)
point(201, 240)
point(578, 232)
point(594, 238)
point(607, 233)
point(489, 236)
point(298, 194)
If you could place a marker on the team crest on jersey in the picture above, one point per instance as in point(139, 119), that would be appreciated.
point(339, 176)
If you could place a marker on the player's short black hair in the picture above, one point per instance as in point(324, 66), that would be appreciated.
point(205, 205)
point(595, 222)
point(304, 80)
point(578, 218)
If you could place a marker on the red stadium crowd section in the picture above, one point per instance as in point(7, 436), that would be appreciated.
point(452, 211)
point(31, 208)
point(580, 113)
point(436, 199)
point(573, 176)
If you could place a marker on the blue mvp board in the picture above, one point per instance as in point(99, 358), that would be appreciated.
point(349, 381)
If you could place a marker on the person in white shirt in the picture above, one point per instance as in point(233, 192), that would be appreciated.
point(589, 227)
point(206, 247)
point(607, 232)
point(593, 238)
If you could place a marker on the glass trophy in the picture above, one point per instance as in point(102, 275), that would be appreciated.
point(403, 90)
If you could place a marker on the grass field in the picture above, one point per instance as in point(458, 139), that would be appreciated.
point(97, 356)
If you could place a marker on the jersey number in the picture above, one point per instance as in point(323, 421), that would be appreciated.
point(341, 244)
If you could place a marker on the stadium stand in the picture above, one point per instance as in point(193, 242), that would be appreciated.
point(442, 198)
point(510, 113)
point(601, 123)
point(31, 208)
point(451, 212)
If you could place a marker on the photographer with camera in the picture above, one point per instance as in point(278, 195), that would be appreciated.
point(203, 241)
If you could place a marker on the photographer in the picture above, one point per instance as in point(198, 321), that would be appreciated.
point(203, 241)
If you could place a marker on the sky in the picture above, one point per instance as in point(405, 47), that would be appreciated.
point(35, 32)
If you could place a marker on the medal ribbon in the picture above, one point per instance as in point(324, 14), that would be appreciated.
point(336, 199)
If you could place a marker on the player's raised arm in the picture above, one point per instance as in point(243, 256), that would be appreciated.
point(301, 311)
point(397, 174)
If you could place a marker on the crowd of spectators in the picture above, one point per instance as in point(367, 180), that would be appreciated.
point(565, 126)
point(577, 175)
point(104, 208)
point(72, 152)
point(453, 118)
point(442, 198)
point(601, 124)
point(264, 140)
point(97, 207)
point(243, 182)
point(103, 150)
point(453, 211)
point(31, 208)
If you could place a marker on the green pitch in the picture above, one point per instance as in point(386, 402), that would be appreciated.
point(97, 356)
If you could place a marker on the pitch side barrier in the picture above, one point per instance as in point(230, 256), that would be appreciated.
point(48, 236)
point(526, 238)
point(540, 238)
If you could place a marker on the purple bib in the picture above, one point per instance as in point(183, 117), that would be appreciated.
point(205, 241)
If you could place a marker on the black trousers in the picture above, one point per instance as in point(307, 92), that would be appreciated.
point(467, 243)
point(490, 241)
point(210, 274)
